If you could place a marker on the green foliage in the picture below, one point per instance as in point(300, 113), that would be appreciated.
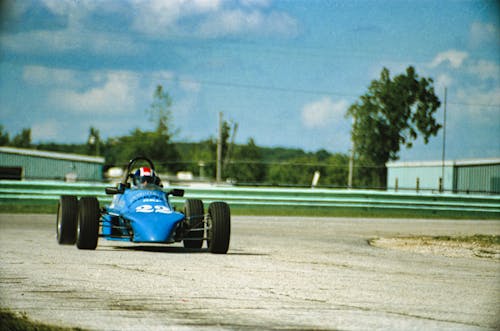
point(4, 137)
point(299, 171)
point(20, 322)
point(279, 154)
point(94, 143)
point(392, 114)
point(251, 164)
point(160, 112)
point(22, 140)
point(225, 140)
point(143, 143)
point(199, 158)
point(247, 164)
point(64, 148)
point(156, 145)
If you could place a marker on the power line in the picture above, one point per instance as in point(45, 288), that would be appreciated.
point(473, 105)
point(294, 90)
point(267, 88)
point(176, 78)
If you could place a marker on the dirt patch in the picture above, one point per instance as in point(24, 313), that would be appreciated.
point(478, 246)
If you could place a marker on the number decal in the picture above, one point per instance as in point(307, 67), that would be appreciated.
point(162, 209)
point(144, 209)
point(153, 209)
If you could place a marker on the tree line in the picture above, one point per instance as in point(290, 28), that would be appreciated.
point(392, 114)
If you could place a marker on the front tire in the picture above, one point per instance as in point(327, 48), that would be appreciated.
point(219, 227)
point(194, 212)
point(88, 223)
point(67, 214)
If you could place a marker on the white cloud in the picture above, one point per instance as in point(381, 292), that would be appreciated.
point(443, 80)
point(46, 76)
point(160, 18)
point(324, 112)
point(485, 69)
point(484, 33)
point(453, 57)
point(258, 3)
point(189, 85)
point(44, 131)
point(116, 95)
point(156, 18)
point(76, 34)
point(477, 97)
point(240, 22)
point(165, 75)
point(69, 40)
point(72, 9)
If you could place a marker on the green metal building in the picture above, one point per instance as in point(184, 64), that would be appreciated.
point(479, 176)
point(19, 163)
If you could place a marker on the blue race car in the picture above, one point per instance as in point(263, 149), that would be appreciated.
point(142, 213)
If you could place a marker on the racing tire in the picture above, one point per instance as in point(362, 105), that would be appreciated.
point(194, 212)
point(219, 227)
point(67, 214)
point(87, 230)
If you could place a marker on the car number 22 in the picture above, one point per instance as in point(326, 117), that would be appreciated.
point(152, 209)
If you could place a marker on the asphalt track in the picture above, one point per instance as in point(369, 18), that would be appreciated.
point(285, 273)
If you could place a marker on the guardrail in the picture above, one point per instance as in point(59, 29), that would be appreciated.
point(248, 196)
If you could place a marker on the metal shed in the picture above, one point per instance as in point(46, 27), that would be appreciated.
point(19, 163)
point(461, 176)
point(477, 176)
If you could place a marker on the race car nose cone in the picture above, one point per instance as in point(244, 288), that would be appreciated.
point(154, 227)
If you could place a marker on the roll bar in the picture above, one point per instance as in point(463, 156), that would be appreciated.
point(126, 175)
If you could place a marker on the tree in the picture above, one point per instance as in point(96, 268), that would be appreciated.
point(247, 167)
point(391, 114)
point(160, 146)
point(160, 112)
point(225, 134)
point(94, 143)
point(22, 139)
point(4, 137)
point(156, 145)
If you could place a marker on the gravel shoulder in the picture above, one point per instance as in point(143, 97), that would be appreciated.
point(467, 247)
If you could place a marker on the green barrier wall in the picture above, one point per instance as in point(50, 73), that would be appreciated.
point(250, 196)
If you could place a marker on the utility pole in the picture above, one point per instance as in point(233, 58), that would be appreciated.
point(227, 158)
point(219, 151)
point(444, 141)
point(351, 158)
point(351, 166)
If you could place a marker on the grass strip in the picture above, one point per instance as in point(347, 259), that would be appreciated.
point(50, 207)
point(11, 321)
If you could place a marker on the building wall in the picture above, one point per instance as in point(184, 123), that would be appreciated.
point(470, 176)
point(478, 178)
point(404, 176)
point(41, 167)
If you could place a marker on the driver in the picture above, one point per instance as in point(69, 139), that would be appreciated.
point(145, 176)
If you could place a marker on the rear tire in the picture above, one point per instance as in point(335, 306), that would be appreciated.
point(87, 231)
point(67, 214)
point(219, 227)
point(194, 212)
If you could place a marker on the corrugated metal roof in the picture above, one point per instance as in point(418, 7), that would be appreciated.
point(52, 155)
point(419, 164)
point(447, 163)
point(473, 162)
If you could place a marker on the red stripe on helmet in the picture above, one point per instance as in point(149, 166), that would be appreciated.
point(145, 171)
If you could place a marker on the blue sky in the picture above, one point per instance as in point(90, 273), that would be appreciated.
point(285, 71)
